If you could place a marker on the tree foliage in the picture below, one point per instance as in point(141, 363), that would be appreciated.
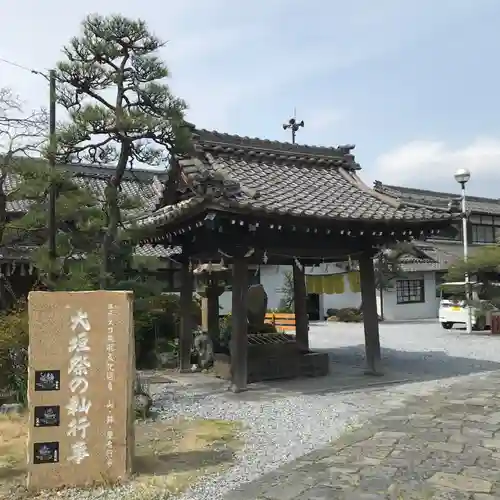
point(287, 301)
point(121, 109)
point(80, 223)
point(387, 263)
point(482, 265)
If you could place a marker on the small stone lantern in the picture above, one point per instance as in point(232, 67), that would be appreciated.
point(210, 285)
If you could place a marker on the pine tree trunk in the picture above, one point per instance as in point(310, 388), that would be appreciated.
point(113, 215)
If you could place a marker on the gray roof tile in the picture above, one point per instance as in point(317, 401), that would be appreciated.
point(477, 204)
point(158, 251)
point(282, 179)
point(145, 185)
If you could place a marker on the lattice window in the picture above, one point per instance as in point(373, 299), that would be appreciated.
point(410, 291)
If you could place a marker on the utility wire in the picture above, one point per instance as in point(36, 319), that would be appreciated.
point(25, 68)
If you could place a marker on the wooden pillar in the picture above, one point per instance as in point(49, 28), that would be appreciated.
point(186, 313)
point(370, 315)
point(239, 334)
point(204, 313)
point(300, 307)
point(210, 310)
point(213, 312)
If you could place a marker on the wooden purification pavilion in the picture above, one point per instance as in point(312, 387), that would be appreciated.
point(252, 201)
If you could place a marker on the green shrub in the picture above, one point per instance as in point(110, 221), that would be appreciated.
point(225, 329)
point(331, 312)
point(268, 328)
point(14, 339)
point(157, 323)
point(284, 306)
point(349, 315)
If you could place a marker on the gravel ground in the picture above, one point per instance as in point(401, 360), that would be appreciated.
point(280, 430)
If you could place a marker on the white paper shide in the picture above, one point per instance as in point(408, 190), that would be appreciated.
point(78, 370)
point(110, 379)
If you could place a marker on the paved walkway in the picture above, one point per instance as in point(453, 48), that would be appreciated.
point(443, 446)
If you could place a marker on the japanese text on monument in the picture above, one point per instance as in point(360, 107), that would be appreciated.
point(78, 369)
point(110, 378)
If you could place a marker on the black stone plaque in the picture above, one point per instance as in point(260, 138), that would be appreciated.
point(47, 416)
point(46, 453)
point(47, 380)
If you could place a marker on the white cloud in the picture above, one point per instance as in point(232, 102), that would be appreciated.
point(431, 165)
point(226, 60)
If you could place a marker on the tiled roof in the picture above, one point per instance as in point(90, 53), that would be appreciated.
point(441, 255)
point(476, 204)
point(141, 184)
point(158, 251)
point(145, 185)
point(243, 174)
point(23, 253)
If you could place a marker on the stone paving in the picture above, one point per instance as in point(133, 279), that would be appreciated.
point(442, 446)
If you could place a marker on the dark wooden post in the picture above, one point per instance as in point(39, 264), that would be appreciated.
point(370, 315)
point(239, 334)
point(300, 307)
point(213, 312)
point(186, 307)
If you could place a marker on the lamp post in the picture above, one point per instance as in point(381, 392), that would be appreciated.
point(462, 176)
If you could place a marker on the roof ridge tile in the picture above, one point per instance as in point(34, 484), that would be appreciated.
point(241, 145)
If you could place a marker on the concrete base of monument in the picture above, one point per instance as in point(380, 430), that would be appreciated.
point(276, 364)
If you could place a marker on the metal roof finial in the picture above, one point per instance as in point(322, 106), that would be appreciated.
point(293, 125)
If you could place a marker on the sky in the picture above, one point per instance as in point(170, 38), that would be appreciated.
point(414, 84)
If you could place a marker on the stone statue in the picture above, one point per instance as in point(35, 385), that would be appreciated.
point(256, 308)
point(142, 400)
point(204, 348)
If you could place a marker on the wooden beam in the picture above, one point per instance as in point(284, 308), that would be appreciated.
point(239, 334)
point(186, 306)
point(261, 224)
point(370, 315)
point(300, 305)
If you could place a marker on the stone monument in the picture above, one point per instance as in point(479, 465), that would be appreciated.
point(80, 388)
point(256, 308)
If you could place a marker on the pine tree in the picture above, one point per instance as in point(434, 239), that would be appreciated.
point(80, 222)
point(483, 265)
point(121, 111)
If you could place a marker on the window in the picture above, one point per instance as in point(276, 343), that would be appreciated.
point(410, 291)
point(484, 228)
point(482, 233)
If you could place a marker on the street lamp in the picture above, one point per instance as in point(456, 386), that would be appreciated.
point(462, 176)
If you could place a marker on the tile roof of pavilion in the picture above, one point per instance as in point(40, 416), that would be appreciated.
point(242, 174)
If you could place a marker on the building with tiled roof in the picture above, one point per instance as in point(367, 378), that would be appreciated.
point(140, 184)
point(284, 182)
point(445, 247)
point(477, 204)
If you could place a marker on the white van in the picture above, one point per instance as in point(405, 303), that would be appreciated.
point(453, 308)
